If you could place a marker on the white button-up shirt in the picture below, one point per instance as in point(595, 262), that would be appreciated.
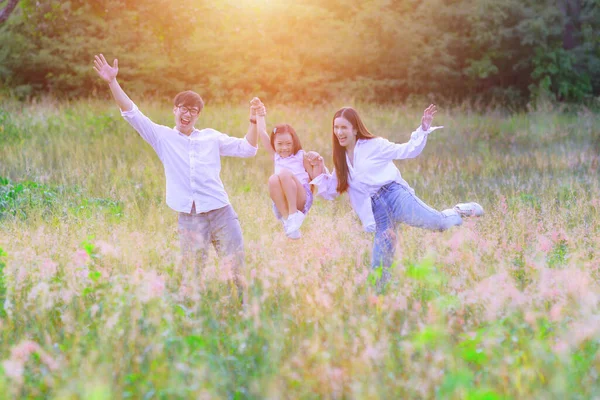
point(192, 163)
point(373, 167)
point(295, 163)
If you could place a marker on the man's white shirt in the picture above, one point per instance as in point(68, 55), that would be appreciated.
point(192, 163)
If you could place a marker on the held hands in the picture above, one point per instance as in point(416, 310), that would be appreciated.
point(317, 166)
point(257, 108)
point(314, 158)
point(428, 117)
point(104, 70)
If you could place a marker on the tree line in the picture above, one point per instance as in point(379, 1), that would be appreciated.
point(508, 51)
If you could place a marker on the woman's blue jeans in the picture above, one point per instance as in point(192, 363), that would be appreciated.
point(392, 205)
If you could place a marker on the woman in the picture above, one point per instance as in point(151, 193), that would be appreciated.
point(382, 199)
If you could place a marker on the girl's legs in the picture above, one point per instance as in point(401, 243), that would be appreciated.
point(287, 192)
point(278, 196)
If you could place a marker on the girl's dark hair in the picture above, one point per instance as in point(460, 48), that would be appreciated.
point(286, 128)
point(339, 152)
point(189, 99)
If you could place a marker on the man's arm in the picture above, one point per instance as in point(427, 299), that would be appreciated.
point(252, 135)
point(147, 129)
point(255, 124)
point(109, 75)
point(261, 124)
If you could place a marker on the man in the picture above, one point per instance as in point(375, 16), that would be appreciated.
point(192, 162)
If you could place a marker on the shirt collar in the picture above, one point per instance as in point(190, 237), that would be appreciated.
point(195, 131)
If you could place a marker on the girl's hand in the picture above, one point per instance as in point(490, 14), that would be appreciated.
point(313, 158)
point(104, 70)
point(428, 117)
point(261, 110)
point(257, 107)
point(255, 102)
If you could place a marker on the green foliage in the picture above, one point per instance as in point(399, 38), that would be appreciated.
point(429, 337)
point(19, 198)
point(311, 51)
point(89, 247)
point(527, 199)
point(2, 281)
point(429, 280)
point(519, 271)
point(583, 361)
point(8, 130)
point(559, 253)
point(471, 350)
point(557, 76)
point(453, 381)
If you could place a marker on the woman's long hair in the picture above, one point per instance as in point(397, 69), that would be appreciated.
point(339, 152)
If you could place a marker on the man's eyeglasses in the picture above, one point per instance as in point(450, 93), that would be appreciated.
point(193, 111)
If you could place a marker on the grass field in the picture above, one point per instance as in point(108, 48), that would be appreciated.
point(97, 306)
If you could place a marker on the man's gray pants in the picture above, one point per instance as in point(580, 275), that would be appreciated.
point(221, 227)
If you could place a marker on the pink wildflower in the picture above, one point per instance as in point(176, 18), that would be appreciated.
point(48, 268)
point(81, 258)
point(106, 248)
point(544, 244)
point(555, 312)
point(19, 355)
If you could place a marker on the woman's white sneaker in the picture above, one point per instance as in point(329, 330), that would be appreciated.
point(469, 209)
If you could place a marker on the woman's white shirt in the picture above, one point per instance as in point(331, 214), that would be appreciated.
point(295, 163)
point(371, 169)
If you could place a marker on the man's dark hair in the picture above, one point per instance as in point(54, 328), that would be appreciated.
point(189, 99)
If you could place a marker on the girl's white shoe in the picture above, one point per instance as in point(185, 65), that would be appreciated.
point(295, 221)
point(292, 224)
point(294, 235)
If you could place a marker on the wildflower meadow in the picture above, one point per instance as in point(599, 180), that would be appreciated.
point(96, 304)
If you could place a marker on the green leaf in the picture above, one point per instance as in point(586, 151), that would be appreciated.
point(95, 275)
point(462, 378)
point(195, 342)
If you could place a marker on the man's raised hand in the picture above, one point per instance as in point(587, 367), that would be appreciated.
point(104, 70)
point(257, 107)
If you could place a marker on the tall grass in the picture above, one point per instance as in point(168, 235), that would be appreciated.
point(96, 304)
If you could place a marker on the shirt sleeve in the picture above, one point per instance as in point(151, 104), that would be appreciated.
point(395, 151)
point(143, 125)
point(235, 147)
point(327, 185)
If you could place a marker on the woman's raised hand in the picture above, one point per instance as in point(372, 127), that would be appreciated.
point(428, 116)
point(104, 70)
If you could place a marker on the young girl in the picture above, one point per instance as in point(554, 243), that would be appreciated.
point(382, 199)
point(289, 186)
